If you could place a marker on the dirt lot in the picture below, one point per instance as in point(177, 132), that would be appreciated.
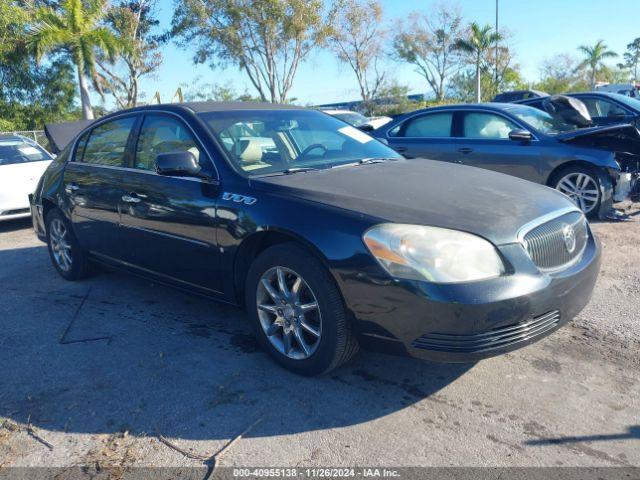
point(187, 368)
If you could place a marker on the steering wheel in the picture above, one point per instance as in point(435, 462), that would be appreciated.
point(311, 148)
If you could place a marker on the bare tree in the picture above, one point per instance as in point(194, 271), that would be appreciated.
point(358, 40)
point(132, 21)
point(429, 43)
point(267, 39)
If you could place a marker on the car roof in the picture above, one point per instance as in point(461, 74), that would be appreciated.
point(493, 106)
point(201, 107)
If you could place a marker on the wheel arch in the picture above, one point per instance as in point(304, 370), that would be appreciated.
point(256, 243)
point(553, 176)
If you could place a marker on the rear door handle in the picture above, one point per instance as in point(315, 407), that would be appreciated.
point(71, 188)
point(465, 150)
point(131, 199)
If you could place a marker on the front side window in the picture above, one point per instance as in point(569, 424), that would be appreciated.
point(540, 121)
point(431, 125)
point(263, 142)
point(107, 143)
point(162, 134)
point(19, 151)
point(487, 126)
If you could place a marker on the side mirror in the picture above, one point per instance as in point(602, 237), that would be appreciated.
point(177, 164)
point(366, 127)
point(520, 134)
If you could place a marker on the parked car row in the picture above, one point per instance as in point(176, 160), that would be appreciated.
point(329, 238)
point(592, 166)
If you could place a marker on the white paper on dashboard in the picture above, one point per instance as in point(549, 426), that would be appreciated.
point(29, 150)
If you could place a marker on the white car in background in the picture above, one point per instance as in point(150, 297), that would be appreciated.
point(357, 119)
point(22, 163)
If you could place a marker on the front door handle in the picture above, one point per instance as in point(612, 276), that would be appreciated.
point(465, 150)
point(71, 188)
point(400, 149)
point(131, 199)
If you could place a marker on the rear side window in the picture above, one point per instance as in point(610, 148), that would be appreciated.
point(487, 125)
point(107, 143)
point(161, 134)
point(431, 125)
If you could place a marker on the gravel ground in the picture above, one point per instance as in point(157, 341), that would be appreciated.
point(188, 369)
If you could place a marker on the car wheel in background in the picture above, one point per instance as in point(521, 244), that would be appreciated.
point(582, 186)
point(65, 252)
point(297, 311)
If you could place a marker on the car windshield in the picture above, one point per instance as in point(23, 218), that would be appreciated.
point(541, 121)
point(267, 142)
point(353, 118)
point(14, 151)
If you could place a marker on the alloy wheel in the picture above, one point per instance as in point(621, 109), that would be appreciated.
point(289, 313)
point(582, 189)
point(60, 247)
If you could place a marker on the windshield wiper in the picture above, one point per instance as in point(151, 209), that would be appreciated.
point(366, 161)
point(289, 171)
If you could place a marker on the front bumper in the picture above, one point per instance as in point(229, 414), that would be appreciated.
point(465, 323)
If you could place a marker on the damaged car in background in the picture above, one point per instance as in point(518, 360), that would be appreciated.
point(594, 166)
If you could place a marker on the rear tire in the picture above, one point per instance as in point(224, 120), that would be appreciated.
point(303, 326)
point(66, 254)
point(582, 186)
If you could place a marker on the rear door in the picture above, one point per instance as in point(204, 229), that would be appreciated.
point(169, 223)
point(93, 184)
point(484, 142)
point(427, 135)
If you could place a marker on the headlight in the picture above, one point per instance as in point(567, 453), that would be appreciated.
point(438, 255)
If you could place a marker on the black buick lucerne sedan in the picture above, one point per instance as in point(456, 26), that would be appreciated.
point(328, 238)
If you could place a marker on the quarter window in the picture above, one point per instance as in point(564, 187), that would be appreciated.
point(107, 143)
point(432, 125)
point(487, 125)
point(161, 134)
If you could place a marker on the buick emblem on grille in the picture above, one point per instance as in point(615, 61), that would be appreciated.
point(569, 236)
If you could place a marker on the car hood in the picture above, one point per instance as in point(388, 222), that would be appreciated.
point(425, 192)
point(619, 137)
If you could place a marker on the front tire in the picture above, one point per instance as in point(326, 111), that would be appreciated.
point(297, 311)
point(582, 186)
point(66, 254)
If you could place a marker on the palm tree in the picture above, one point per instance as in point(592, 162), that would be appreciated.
point(75, 30)
point(594, 56)
point(476, 45)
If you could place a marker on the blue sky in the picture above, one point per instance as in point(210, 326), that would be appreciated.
point(540, 29)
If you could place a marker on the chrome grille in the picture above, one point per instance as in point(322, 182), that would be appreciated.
point(547, 246)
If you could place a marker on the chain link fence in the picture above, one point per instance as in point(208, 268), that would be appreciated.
point(37, 135)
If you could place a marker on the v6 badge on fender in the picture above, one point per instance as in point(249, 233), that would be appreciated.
point(235, 197)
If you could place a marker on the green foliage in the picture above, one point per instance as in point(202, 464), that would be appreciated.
point(476, 45)
point(392, 100)
point(632, 58)
point(30, 95)
point(267, 39)
point(594, 57)
point(428, 42)
point(196, 91)
point(75, 29)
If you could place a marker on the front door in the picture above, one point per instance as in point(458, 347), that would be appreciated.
point(93, 180)
point(169, 223)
